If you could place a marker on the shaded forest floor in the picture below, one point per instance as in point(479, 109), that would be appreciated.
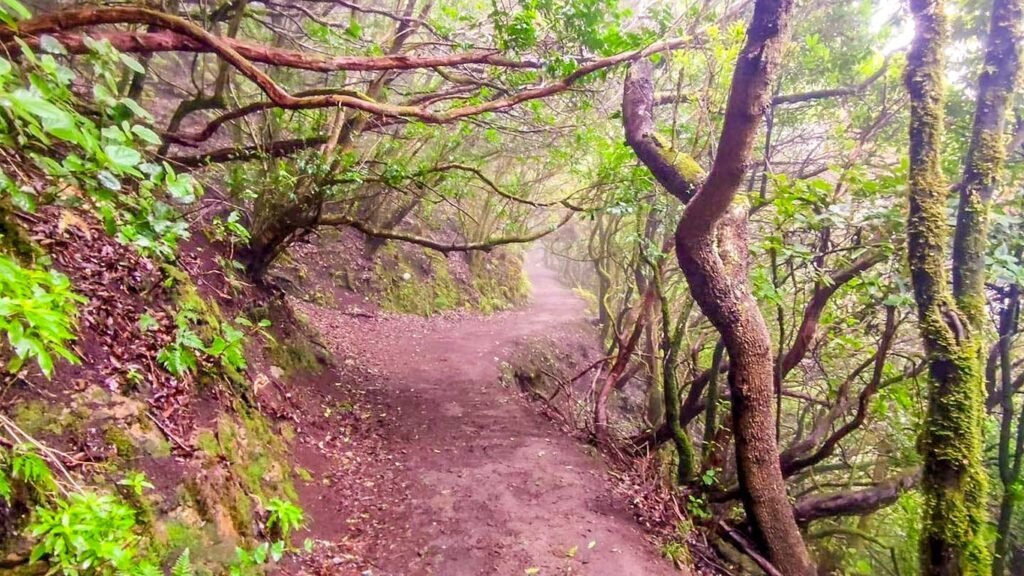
point(441, 470)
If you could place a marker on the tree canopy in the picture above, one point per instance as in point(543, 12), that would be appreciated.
point(797, 223)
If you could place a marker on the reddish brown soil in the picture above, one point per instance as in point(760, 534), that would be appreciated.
point(476, 481)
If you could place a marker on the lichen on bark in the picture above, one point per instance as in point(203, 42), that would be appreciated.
point(952, 316)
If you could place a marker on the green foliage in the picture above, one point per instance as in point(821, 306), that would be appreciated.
point(37, 314)
point(136, 482)
point(230, 229)
point(183, 565)
point(676, 551)
point(98, 160)
point(285, 517)
point(295, 355)
point(88, 533)
point(593, 25)
point(249, 561)
point(23, 464)
point(226, 346)
point(180, 357)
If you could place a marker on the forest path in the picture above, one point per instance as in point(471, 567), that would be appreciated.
point(493, 487)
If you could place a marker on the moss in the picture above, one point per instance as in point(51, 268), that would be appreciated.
point(668, 463)
point(36, 417)
point(296, 355)
point(685, 164)
point(287, 432)
point(177, 536)
point(240, 510)
point(253, 473)
point(33, 417)
point(954, 481)
point(121, 441)
point(207, 443)
point(405, 291)
point(499, 282)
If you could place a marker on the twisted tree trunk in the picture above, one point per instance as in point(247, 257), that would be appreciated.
point(712, 249)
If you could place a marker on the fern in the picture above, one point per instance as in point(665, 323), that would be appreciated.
point(28, 467)
point(183, 565)
point(5, 486)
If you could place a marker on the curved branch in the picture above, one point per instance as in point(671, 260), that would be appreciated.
point(442, 247)
point(211, 128)
point(174, 40)
point(855, 502)
point(677, 172)
point(832, 92)
point(812, 312)
point(229, 51)
point(275, 149)
point(792, 462)
point(495, 188)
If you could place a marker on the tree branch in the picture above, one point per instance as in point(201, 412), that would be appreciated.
point(677, 172)
point(442, 247)
point(856, 502)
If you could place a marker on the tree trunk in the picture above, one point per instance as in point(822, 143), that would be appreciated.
point(671, 345)
point(712, 249)
point(954, 480)
point(1009, 462)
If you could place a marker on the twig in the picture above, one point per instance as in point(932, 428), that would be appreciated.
point(168, 433)
point(49, 454)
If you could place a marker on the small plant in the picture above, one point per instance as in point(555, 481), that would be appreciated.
point(285, 517)
point(179, 357)
point(37, 313)
point(697, 507)
point(247, 561)
point(228, 347)
point(87, 533)
point(22, 465)
point(183, 565)
point(136, 482)
point(30, 469)
point(676, 551)
point(230, 229)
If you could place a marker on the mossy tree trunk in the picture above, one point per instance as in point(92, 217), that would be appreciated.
point(712, 249)
point(671, 344)
point(952, 315)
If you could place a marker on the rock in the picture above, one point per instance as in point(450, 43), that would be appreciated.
point(276, 372)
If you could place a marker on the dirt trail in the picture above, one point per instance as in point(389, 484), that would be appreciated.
point(492, 487)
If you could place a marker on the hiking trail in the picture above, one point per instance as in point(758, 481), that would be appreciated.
point(490, 486)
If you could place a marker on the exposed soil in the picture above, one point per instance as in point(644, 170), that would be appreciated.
point(468, 478)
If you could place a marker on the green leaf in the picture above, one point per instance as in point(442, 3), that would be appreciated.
point(17, 8)
point(354, 30)
point(51, 45)
point(23, 199)
point(132, 63)
point(147, 323)
point(277, 551)
point(146, 134)
point(34, 104)
point(122, 157)
point(181, 187)
point(109, 180)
